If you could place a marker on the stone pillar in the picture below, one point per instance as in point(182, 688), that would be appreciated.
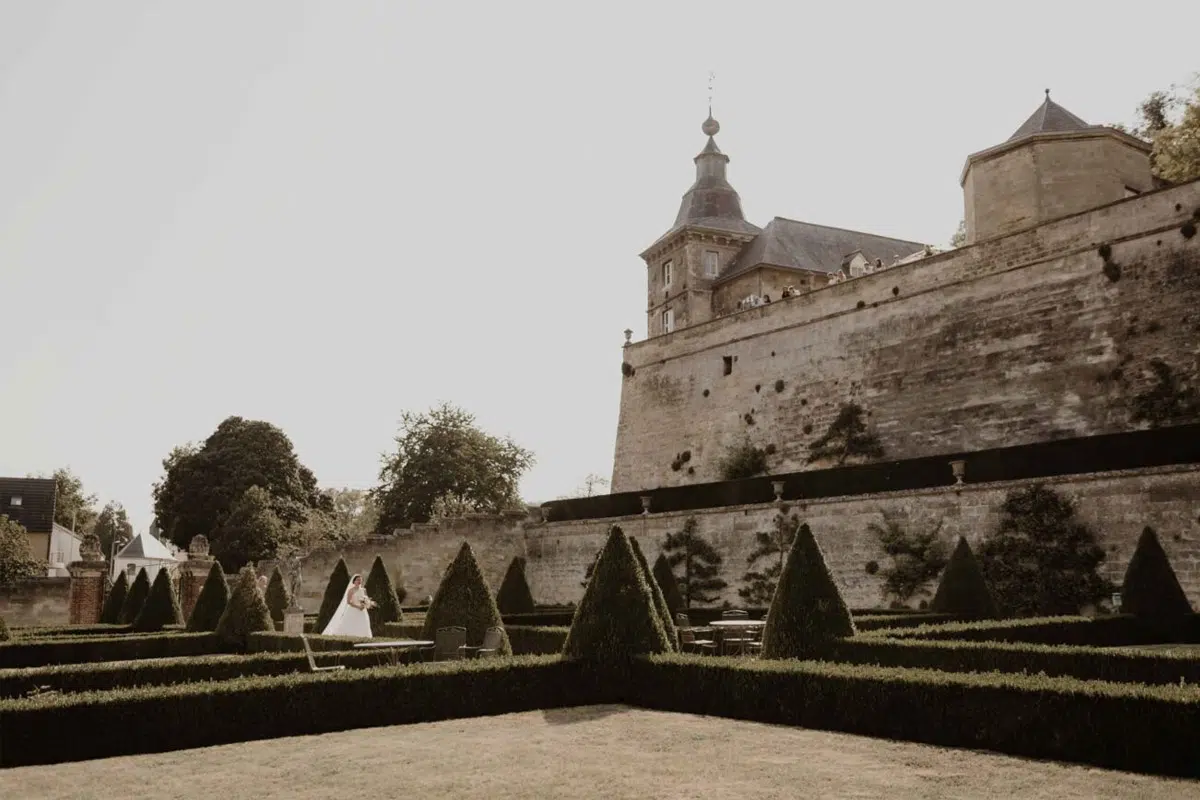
point(86, 598)
point(193, 573)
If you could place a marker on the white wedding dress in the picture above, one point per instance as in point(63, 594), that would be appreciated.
point(349, 620)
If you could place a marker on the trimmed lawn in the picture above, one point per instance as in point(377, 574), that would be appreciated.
point(597, 751)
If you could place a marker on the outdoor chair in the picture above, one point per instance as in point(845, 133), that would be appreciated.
point(688, 642)
point(682, 621)
point(312, 662)
point(449, 643)
point(492, 639)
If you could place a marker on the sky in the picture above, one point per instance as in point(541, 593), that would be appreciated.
point(324, 214)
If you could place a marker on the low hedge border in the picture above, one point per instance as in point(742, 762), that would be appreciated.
point(1084, 663)
point(247, 709)
point(56, 631)
point(1114, 725)
point(122, 647)
point(526, 640)
point(897, 621)
point(1112, 631)
point(703, 616)
point(275, 642)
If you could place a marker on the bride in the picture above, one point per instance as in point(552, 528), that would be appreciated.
point(351, 618)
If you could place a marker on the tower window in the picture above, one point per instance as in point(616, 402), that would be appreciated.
point(668, 320)
point(711, 263)
point(667, 265)
point(728, 365)
point(15, 501)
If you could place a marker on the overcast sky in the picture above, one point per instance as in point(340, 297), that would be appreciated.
point(322, 214)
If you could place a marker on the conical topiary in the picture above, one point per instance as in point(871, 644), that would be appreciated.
point(161, 607)
point(660, 603)
point(379, 589)
point(278, 598)
point(210, 605)
point(335, 590)
point(111, 612)
point(514, 596)
point(807, 610)
point(616, 619)
point(1150, 587)
point(463, 599)
point(245, 613)
point(3, 630)
point(135, 598)
point(668, 583)
point(963, 590)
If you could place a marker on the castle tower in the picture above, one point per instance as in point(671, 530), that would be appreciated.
point(708, 233)
point(1054, 165)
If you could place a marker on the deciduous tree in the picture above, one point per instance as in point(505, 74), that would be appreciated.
point(16, 562)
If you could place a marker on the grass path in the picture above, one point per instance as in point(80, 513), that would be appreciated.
point(593, 752)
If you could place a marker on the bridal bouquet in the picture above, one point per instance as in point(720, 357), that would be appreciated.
point(368, 603)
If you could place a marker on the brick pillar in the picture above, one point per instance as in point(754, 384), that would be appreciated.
point(86, 599)
point(193, 573)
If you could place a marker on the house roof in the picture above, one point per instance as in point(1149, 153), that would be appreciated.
point(790, 244)
point(1050, 118)
point(143, 546)
point(36, 509)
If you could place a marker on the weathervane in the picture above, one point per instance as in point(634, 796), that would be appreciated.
point(711, 75)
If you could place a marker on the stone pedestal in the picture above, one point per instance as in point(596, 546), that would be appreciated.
point(293, 620)
point(86, 598)
point(192, 574)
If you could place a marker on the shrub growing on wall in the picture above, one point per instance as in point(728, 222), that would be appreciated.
point(1042, 561)
point(277, 597)
point(335, 590)
point(700, 561)
point(210, 605)
point(808, 610)
point(379, 589)
point(963, 590)
point(245, 613)
point(514, 596)
point(111, 613)
point(743, 461)
point(917, 558)
point(161, 607)
point(772, 547)
point(669, 584)
point(1150, 587)
point(616, 618)
point(135, 598)
point(660, 602)
point(847, 437)
point(463, 599)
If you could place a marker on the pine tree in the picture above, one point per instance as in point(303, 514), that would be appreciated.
point(771, 546)
point(700, 561)
point(335, 590)
point(669, 584)
point(278, 598)
point(514, 596)
point(379, 588)
point(161, 607)
point(463, 599)
point(111, 612)
point(847, 437)
point(245, 613)
point(135, 598)
point(660, 602)
point(210, 605)
point(616, 619)
point(1150, 588)
point(808, 610)
point(963, 591)
point(1042, 560)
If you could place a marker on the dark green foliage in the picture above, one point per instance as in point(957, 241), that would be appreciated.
point(617, 618)
point(463, 599)
point(16, 562)
point(1150, 587)
point(963, 590)
point(245, 613)
point(277, 596)
point(808, 610)
point(379, 588)
point(917, 558)
point(660, 602)
point(514, 596)
point(335, 590)
point(108, 647)
point(743, 461)
point(591, 569)
point(770, 546)
point(700, 561)
point(251, 532)
point(111, 613)
point(3, 630)
point(1042, 560)
point(669, 584)
point(1114, 631)
point(161, 607)
point(210, 605)
point(847, 437)
point(135, 598)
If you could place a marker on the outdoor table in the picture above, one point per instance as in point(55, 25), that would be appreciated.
point(393, 647)
point(723, 625)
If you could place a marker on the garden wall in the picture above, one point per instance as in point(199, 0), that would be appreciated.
point(39, 601)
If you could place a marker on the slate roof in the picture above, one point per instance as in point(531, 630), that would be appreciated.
point(143, 546)
point(36, 512)
point(791, 244)
point(1050, 118)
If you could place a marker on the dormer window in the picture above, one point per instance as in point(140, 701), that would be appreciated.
point(712, 261)
point(15, 500)
point(667, 270)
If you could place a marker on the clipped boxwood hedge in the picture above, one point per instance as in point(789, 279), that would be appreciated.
point(300, 704)
point(125, 647)
point(58, 631)
point(1113, 631)
point(526, 640)
point(1114, 725)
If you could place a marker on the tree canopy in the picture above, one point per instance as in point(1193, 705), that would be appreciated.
point(16, 562)
point(112, 523)
point(251, 531)
point(443, 461)
point(73, 508)
point(1170, 120)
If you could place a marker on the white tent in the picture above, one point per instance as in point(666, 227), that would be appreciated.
point(143, 552)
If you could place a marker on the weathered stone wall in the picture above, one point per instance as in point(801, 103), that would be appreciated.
point(1011, 341)
point(39, 601)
